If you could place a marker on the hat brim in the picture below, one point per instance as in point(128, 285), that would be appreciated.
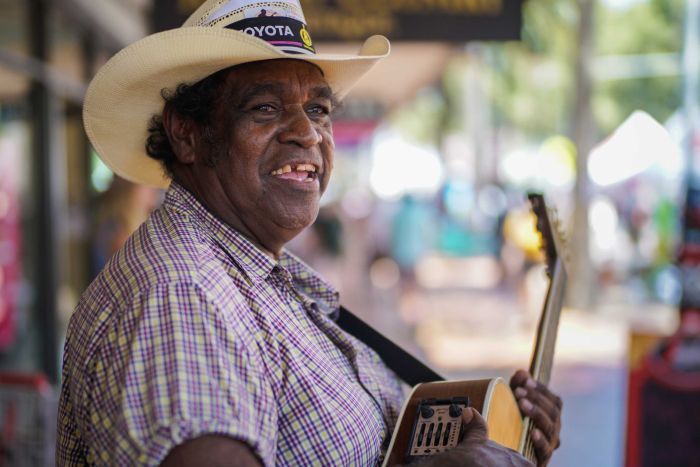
point(126, 93)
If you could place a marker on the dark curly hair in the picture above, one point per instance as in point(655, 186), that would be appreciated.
point(193, 101)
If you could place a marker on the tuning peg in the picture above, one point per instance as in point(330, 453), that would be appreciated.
point(553, 216)
point(563, 237)
point(564, 250)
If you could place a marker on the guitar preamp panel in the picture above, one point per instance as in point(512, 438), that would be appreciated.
point(437, 426)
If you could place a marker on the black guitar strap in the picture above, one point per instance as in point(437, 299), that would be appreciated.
point(406, 366)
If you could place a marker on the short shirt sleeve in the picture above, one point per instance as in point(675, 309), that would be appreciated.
point(171, 369)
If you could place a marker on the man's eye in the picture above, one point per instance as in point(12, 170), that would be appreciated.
point(319, 109)
point(265, 108)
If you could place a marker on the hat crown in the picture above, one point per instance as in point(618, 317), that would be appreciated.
point(280, 23)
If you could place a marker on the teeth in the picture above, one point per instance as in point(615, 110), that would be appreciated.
point(299, 168)
point(305, 168)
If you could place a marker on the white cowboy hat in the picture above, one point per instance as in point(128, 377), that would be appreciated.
point(126, 93)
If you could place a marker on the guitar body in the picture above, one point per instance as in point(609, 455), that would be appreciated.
point(491, 397)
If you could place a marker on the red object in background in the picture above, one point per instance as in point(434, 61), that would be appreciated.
point(10, 244)
point(663, 408)
point(352, 132)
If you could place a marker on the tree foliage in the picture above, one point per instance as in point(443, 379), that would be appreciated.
point(647, 28)
point(532, 81)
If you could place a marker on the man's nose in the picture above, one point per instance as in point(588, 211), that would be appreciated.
point(297, 128)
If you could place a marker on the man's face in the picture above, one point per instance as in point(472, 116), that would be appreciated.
point(272, 149)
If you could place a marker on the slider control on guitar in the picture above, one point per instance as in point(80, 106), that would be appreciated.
point(437, 426)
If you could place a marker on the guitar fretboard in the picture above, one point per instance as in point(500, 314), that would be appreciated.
point(543, 355)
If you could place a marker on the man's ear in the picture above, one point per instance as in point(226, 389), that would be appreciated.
point(182, 134)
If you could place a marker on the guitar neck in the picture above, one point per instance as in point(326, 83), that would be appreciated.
point(545, 342)
point(546, 339)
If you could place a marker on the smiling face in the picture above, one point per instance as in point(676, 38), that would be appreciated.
point(267, 155)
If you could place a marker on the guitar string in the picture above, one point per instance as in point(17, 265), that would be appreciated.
point(545, 352)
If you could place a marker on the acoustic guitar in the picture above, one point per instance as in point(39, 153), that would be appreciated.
point(430, 421)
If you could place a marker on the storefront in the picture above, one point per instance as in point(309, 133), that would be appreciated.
point(48, 51)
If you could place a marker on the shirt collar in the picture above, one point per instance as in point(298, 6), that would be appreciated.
point(308, 282)
point(254, 263)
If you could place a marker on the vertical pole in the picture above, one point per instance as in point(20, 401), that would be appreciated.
point(691, 74)
point(478, 111)
point(89, 200)
point(691, 146)
point(46, 290)
point(580, 292)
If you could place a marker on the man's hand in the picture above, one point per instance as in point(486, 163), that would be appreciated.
point(544, 408)
point(476, 450)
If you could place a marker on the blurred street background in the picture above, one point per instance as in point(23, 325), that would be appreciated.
point(425, 228)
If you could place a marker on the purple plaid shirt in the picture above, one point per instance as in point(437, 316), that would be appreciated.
point(191, 330)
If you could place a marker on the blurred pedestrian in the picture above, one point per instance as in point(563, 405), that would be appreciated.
point(412, 236)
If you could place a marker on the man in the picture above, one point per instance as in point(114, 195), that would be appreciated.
point(203, 341)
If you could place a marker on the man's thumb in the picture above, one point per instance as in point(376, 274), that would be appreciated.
point(475, 428)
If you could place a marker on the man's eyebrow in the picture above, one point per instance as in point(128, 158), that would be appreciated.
point(258, 89)
point(325, 92)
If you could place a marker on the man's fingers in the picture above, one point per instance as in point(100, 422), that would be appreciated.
point(542, 419)
point(522, 381)
point(544, 408)
point(467, 415)
point(540, 404)
point(475, 428)
point(519, 379)
point(545, 401)
point(545, 395)
point(543, 448)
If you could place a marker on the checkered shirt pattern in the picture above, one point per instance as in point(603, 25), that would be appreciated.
point(191, 330)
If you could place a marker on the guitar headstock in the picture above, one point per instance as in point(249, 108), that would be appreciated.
point(551, 231)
